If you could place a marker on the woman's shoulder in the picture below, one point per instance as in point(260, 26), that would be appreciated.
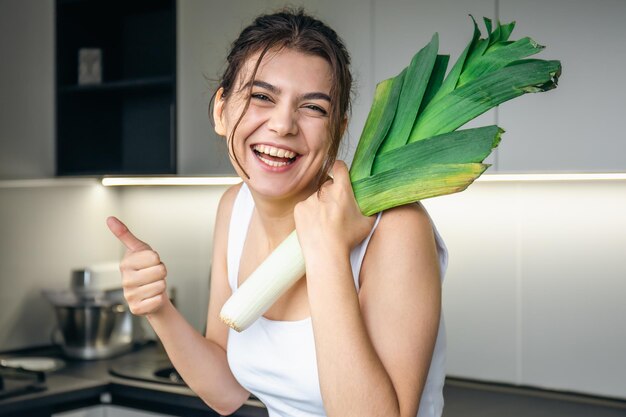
point(227, 201)
point(409, 218)
point(224, 211)
point(402, 231)
point(404, 242)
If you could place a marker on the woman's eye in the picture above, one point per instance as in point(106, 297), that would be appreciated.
point(260, 96)
point(317, 109)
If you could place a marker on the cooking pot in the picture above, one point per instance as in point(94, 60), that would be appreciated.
point(93, 324)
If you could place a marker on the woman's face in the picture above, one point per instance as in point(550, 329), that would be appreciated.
point(282, 140)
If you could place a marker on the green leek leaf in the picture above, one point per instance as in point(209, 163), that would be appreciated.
point(413, 88)
point(461, 146)
point(376, 126)
point(484, 93)
point(397, 187)
point(391, 169)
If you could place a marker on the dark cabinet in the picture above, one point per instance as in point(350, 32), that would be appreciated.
point(124, 123)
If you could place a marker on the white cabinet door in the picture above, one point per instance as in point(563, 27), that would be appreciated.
point(580, 125)
point(27, 88)
point(205, 31)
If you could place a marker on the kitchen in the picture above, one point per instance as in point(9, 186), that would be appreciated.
point(533, 293)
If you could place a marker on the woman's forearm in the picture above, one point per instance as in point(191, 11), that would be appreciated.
point(201, 362)
point(353, 379)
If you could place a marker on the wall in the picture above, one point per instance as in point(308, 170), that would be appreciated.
point(50, 227)
point(47, 228)
point(534, 291)
point(177, 222)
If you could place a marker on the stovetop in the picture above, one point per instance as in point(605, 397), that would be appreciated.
point(18, 381)
point(161, 371)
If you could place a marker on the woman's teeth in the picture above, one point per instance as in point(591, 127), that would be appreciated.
point(274, 157)
point(272, 151)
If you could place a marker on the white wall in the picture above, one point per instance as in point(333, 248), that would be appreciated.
point(535, 290)
point(47, 229)
point(177, 222)
point(50, 227)
point(533, 294)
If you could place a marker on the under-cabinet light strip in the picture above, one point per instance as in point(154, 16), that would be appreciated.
point(117, 181)
point(155, 181)
point(553, 177)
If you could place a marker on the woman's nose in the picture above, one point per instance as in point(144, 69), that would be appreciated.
point(283, 120)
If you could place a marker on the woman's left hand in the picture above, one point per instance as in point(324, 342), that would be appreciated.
point(330, 220)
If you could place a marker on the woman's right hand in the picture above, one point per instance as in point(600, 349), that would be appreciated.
point(143, 273)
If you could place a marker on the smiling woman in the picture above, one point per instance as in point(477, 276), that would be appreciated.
point(359, 333)
point(278, 123)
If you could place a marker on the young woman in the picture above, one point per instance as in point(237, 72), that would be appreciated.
point(360, 334)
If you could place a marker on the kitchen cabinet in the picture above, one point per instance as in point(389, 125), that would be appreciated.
point(125, 122)
point(573, 128)
point(205, 31)
point(579, 126)
point(26, 85)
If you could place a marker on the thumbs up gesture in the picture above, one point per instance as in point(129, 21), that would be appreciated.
point(143, 273)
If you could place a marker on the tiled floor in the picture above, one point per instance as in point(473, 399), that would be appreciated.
point(469, 399)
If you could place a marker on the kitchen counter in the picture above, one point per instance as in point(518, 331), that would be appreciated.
point(86, 383)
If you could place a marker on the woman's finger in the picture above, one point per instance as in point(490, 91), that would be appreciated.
point(135, 295)
point(125, 236)
point(147, 306)
point(132, 279)
point(151, 290)
point(135, 261)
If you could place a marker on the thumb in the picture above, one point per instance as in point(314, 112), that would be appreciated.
point(121, 232)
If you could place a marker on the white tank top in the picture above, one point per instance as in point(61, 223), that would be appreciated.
point(275, 360)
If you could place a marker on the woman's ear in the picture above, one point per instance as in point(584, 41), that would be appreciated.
point(218, 112)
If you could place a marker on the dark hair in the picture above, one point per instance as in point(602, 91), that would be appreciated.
point(294, 29)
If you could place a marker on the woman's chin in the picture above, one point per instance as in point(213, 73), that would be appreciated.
point(277, 189)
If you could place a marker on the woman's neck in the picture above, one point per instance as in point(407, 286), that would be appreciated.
point(275, 217)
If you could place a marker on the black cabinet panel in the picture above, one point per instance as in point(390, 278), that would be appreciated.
point(126, 122)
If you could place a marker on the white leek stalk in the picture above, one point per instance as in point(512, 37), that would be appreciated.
point(268, 282)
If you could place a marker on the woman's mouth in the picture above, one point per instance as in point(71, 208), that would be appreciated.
point(273, 156)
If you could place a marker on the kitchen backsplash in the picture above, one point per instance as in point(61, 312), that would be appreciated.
point(533, 294)
point(46, 230)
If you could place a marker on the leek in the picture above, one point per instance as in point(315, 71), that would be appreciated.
point(410, 148)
